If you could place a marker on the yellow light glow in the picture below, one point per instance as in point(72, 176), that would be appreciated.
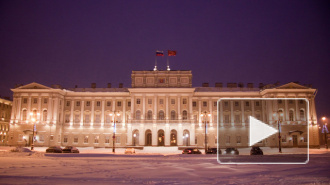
point(323, 118)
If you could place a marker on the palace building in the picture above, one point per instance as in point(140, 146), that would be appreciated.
point(160, 109)
point(5, 110)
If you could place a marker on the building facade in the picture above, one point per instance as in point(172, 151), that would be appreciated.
point(5, 111)
point(160, 109)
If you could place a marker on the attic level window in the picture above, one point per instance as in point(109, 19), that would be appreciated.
point(119, 103)
point(67, 103)
point(129, 104)
point(301, 101)
point(215, 104)
point(184, 101)
point(204, 104)
point(172, 101)
point(194, 104)
point(149, 101)
point(236, 104)
point(279, 101)
point(161, 101)
point(45, 101)
point(25, 100)
point(161, 80)
point(247, 103)
point(108, 103)
point(290, 101)
point(78, 103)
point(98, 103)
point(88, 103)
point(138, 101)
point(35, 100)
point(257, 104)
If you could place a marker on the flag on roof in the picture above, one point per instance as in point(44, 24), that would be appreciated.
point(159, 53)
point(171, 53)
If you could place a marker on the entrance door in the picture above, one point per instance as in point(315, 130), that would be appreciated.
point(161, 138)
point(294, 139)
point(30, 139)
point(173, 138)
point(148, 138)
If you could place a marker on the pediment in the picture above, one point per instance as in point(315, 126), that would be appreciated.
point(33, 85)
point(292, 85)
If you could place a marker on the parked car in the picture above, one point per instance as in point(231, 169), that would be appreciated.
point(54, 149)
point(130, 151)
point(231, 151)
point(212, 151)
point(70, 149)
point(191, 151)
point(256, 151)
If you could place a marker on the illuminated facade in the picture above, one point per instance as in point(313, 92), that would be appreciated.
point(5, 110)
point(160, 109)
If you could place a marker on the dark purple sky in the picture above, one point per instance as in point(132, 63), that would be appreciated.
point(80, 42)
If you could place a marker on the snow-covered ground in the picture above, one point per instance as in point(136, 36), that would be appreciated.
point(152, 166)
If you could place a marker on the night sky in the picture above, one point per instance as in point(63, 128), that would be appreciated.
point(80, 42)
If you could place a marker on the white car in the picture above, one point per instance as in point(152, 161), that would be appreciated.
point(130, 151)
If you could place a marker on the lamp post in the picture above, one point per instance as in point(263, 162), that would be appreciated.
point(114, 132)
point(279, 114)
point(33, 120)
point(134, 135)
point(205, 120)
point(324, 130)
point(187, 138)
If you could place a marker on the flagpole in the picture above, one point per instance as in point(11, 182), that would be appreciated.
point(168, 65)
point(155, 69)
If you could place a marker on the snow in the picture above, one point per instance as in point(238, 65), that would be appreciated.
point(155, 165)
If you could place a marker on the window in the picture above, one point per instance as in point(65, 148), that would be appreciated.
point(41, 138)
point(128, 103)
point(184, 115)
point(149, 116)
point(78, 103)
point(108, 103)
point(204, 103)
point(119, 103)
point(86, 139)
point(75, 139)
point(227, 139)
point(215, 104)
point(238, 139)
point(237, 119)
point(35, 100)
point(67, 103)
point(97, 118)
point(96, 139)
point(76, 118)
point(117, 139)
point(236, 103)
point(138, 115)
point(149, 101)
point(305, 138)
point(161, 101)
point(161, 115)
point(226, 118)
point(88, 103)
point(98, 103)
point(24, 100)
point(24, 115)
point(107, 139)
point(290, 101)
point(257, 104)
point(302, 115)
point(172, 115)
point(291, 117)
point(279, 101)
point(226, 104)
point(301, 101)
point(247, 103)
point(87, 118)
point(65, 140)
point(194, 104)
point(172, 101)
point(138, 101)
point(51, 137)
point(45, 100)
point(283, 137)
point(184, 101)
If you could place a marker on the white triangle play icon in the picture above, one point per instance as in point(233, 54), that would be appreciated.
point(259, 131)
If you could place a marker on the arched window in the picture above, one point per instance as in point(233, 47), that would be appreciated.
point(149, 116)
point(24, 115)
point(302, 115)
point(184, 115)
point(44, 115)
point(161, 115)
point(291, 116)
point(172, 115)
point(138, 115)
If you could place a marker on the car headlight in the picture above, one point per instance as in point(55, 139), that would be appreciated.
point(232, 152)
point(224, 152)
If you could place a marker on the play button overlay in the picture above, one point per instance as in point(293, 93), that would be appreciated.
point(259, 131)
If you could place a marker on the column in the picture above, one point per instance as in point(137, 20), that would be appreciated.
point(286, 111)
point(221, 113)
point(154, 135)
point(179, 110)
point(167, 135)
point(180, 135)
point(190, 108)
point(113, 105)
point(210, 109)
point(231, 113)
point(82, 113)
point(13, 112)
point(141, 135)
point(143, 108)
point(124, 112)
point(192, 134)
point(55, 110)
point(199, 111)
point(29, 109)
point(18, 117)
point(72, 109)
point(243, 116)
point(50, 109)
point(102, 112)
point(39, 109)
point(129, 134)
point(155, 107)
point(132, 107)
point(92, 113)
point(297, 110)
point(167, 113)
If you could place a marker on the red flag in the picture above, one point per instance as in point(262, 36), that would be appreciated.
point(171, 53)
point(159, 53)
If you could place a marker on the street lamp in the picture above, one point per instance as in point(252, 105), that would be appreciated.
point(187, 138)
point(114, 132)
point(33, 120)
point(204, 115)
point(134, 135)
point(325, 130)
point(279, 114)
